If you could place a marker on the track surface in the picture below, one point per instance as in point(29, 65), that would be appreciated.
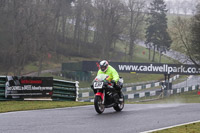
point(133, 119)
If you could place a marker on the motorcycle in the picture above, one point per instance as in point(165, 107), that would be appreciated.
point(106, 95)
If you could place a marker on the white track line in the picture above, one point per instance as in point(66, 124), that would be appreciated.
point(170, 127)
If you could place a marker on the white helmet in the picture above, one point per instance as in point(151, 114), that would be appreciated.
point(104, 65)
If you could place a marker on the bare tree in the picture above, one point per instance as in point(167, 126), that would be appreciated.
point(78, 26)
point(88, 19)
point(108, 17)
point(180, 32)
point(83, 19)
point(136, 13)
point(30, 29)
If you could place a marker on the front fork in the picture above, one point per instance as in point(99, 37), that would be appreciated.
point(102, 95)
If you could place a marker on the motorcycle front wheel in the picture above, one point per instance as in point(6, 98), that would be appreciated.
point(99, 107)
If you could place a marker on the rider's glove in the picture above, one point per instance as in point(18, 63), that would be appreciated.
point(106, 82)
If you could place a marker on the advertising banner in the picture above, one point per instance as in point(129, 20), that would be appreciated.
point(26, 87)
point(155, 68)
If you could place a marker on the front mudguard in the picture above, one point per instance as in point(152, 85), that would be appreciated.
point(101, 95)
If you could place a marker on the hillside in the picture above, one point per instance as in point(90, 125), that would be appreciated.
point(141, 56)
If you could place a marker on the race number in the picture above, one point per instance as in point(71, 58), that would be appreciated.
point(98, 85)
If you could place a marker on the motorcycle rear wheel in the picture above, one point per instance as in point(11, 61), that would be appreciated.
point(99, 107)
point(119, 106)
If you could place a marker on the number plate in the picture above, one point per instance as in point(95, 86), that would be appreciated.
point(98, 85)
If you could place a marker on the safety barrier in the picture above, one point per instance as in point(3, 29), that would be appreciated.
point(65, 90)
point(146, 86)
point(158, 92)
point(154, 93)
point(62, 90)
point(2, 88)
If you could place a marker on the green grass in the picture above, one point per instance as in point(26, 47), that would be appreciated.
point(186, 97)
point(190, 128)
point(171, 17)
point(10, 106)
point(140, 57)
point(31, 67)
point(139, 77)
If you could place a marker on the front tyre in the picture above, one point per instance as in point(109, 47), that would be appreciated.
point(99, 107)
point(120, 105)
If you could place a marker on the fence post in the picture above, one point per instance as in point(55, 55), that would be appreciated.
point(77, 90)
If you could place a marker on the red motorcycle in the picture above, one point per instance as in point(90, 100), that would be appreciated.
point(106, 95)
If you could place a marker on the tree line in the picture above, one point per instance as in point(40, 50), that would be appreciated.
point(185, 33)
point(31, 29)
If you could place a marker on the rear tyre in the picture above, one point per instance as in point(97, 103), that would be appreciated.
point(99, 107)
point(120, 105)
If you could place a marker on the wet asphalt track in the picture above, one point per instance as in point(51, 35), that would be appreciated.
point(133, 119)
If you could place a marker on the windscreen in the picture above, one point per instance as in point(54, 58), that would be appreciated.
point(100, 77)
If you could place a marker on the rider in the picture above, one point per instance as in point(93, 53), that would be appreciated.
point(105, 68)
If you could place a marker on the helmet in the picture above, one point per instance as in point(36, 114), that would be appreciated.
point(104, 65)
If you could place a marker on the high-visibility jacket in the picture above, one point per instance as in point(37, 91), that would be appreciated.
point(111, 72)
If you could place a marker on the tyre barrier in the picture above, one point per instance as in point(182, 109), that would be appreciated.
point(2, 88)
point(65, 90)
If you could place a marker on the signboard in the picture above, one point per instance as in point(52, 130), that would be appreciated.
point(21, 87)
point(156, 68)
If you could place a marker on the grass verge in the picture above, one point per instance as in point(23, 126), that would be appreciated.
point(10, 106)
point(190, 128)
point(186, 97)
